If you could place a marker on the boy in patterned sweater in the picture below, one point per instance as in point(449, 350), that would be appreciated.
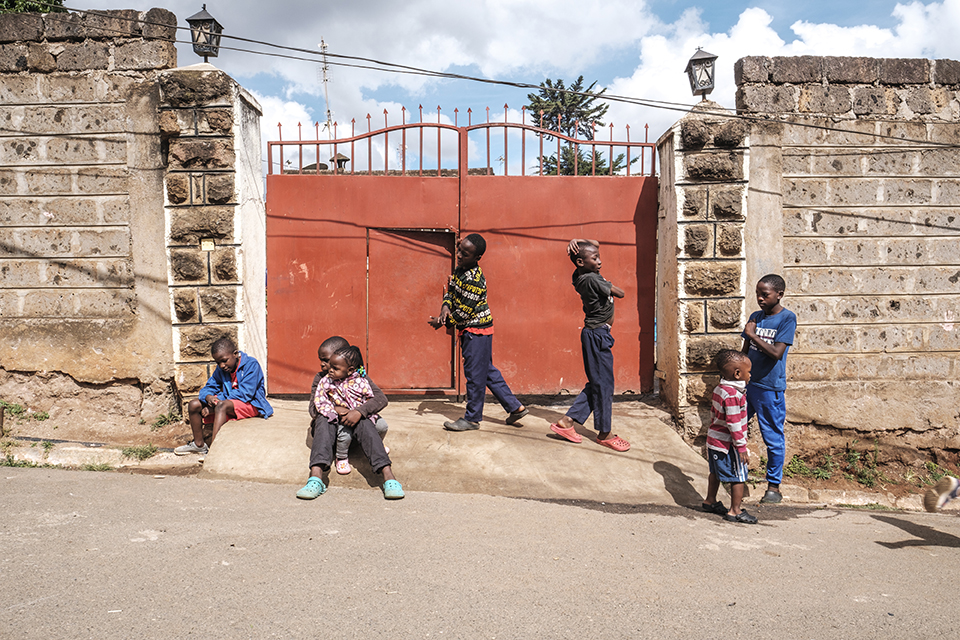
point(727, 437)
point(465, 307)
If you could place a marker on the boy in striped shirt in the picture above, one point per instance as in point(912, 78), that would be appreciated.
point(727, 437)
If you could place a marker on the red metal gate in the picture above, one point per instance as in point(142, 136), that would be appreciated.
point(366, 254)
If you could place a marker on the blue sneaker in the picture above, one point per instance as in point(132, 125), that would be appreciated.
point(392, 490)
point(313, 489)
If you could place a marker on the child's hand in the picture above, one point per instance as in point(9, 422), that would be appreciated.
point(205, 412)
point(341, 411)
point(350, 418)
point(213, 401)
point(744, 458)
point(441, 320)
point(573, 248)
point(751, 330)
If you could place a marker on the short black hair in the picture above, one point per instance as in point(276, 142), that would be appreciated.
point(775, 282)
point(581, 246)
point(223, 345)
point(727, 357)
point(333, 342)
point(351, 355)
point(478, 242)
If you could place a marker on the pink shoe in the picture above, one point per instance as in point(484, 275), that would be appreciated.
point(567, 434)
point(343, 467)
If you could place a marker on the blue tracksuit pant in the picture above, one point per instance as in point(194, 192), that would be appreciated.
point(597, 395)
point(481, 375)
point(770, 407)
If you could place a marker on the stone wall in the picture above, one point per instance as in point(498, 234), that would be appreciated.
point(870, 221)
point(853, 195)
point(700, 256)
point(114, 167)
point(83, 297)
point(215, 218)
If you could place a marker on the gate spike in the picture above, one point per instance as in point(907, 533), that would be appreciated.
point(334, 129)
point(523, 114)
point(316, 127)
point(646, 133)
point(368, 123)
point(421, 114)
point(299, 131)
point(353, 126)
point(628, 133)
point(403, 115)
point(506, 107)
point(280, 130)
point(384, 118)
point(469, 116)
point(488, 114)
point(456, 112)
point(438, 116)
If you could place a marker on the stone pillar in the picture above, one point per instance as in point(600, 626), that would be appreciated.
point(215, 218)
point(701, 258)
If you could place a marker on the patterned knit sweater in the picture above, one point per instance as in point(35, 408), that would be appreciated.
point(467, 298)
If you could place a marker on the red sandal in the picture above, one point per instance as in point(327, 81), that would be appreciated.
point(567, 434)
point(616, 443)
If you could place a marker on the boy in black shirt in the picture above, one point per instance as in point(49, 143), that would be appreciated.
point(597, 343)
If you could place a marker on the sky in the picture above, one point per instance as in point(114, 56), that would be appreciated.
point(634, 48)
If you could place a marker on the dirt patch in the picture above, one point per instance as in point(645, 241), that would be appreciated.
point(42, 426)
point(863, 469)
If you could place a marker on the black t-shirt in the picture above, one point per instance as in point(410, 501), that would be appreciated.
point(594, 290)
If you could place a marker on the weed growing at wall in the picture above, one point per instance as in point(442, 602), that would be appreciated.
point(140, 452)
point(164, 419)
point(96, 466)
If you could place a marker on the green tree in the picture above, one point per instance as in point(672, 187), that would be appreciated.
point(25, 6)
point(575, 112)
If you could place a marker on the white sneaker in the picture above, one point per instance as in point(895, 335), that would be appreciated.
point(191, 447)
point(942, 493)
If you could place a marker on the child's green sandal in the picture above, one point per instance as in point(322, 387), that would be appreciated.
point(392, 490)
point(313, 489)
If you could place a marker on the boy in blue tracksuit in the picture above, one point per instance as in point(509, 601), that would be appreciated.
point(236, 390)
point(766, 340)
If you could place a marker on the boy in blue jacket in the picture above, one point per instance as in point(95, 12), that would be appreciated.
point(235, 391)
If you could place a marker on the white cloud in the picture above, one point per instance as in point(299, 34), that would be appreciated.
point(923, 30)
point(528, 39)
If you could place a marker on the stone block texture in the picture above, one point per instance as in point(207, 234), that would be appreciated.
point(871, 226)
point(197, 119)
point(82, 263)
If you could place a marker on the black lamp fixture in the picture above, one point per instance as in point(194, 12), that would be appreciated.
point(205, 31)
point(701, 70)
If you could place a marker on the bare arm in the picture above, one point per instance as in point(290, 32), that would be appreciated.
point(616, 291)
point(774, 350)
point(573, 248)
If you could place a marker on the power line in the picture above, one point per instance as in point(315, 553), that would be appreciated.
point(390, 67)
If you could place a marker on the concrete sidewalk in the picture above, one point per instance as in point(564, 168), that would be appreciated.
point(526, 461)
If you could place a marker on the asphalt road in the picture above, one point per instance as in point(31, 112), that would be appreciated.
point(105, 555)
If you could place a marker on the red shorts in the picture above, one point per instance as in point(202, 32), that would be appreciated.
point(242, 409)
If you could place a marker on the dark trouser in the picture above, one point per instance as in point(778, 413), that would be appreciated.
point(325, 436)
point(482, 375)
point(597, 395)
